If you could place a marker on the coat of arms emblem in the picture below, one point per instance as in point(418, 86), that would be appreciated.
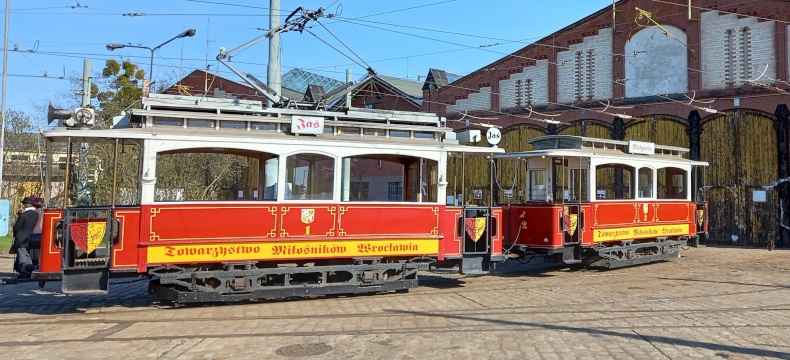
point(475, 227)
point(644, 212)
point(308, 215)
point(700, 217)
point(569, 221)
point(87, 235)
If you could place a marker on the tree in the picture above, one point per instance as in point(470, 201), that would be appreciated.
point(22, 171)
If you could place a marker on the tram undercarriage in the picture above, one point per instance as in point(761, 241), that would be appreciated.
point(247, 281)
point(622, 254)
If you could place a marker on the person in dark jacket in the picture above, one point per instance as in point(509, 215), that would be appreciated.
point(23, 227)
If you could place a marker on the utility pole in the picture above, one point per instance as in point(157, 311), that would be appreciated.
point(5, 210)
point(273, 75)
point(83, 193)
point(2, 111)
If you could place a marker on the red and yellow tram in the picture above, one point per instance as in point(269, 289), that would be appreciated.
point(286, 202)
point(604, 203)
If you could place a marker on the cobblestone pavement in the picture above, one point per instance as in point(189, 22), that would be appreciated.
point(713, 303)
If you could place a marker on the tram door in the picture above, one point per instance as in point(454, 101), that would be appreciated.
point(86, 235)
point(571, 189)
point(477, 228)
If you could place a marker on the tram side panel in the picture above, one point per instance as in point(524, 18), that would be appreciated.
point(185, 233)
point(617, 232)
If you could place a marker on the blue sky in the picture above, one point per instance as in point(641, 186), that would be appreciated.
point(397, 38)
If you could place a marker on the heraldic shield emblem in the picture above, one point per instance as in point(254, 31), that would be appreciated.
point(475, 228)
point(308, 215)
point(569, 221)
point(700, 217)
point(87, 236)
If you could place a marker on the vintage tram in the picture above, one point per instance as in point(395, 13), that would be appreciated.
point(604, 203)
point(321, 202)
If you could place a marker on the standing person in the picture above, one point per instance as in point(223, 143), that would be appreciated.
point(23, 227)
point(34, 240)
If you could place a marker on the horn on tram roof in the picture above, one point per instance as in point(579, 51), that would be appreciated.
point(59, 114)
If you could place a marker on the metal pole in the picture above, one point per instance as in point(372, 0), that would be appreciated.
point(273, 76)
point(151, 74)
point(348, 94)
point(86, 83)
point(2, 111)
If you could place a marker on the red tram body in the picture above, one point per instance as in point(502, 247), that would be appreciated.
point(641, 210)
point(302, 225)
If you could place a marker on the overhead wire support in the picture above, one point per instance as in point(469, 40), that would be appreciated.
point(297, 24)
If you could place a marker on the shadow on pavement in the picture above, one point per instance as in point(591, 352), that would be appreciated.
point(748, 351)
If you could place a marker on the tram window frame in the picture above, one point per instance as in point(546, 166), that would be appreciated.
point(374, 132)
point(533, 192)
point(345, 130)
point(264, 127)
point(645, 184)
point(235, 125)
point(400, 134)
point(675, 182)
point(324, 178)
point(167, 121)
point(391, 178)
point(629, 176)
point(201, 123)
point(424, 135)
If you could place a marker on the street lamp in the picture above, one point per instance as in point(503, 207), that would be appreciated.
point(113, 46)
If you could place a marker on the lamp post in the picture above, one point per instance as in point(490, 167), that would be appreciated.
point(113, 46)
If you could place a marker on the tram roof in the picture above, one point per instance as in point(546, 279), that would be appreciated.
point(202, 136)
point(587, 147)
point(217, 120)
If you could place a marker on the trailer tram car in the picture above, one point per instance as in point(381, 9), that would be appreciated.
point(604, 203)
point(325, 202)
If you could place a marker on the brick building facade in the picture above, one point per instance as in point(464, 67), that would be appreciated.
point(709, 77)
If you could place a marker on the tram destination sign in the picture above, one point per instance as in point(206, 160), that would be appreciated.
point(641, 147)
point(307, 125)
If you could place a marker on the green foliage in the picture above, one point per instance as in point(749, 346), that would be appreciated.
point(121, 90)
point(21, 176)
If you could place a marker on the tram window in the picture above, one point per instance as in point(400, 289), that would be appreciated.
point(423, 135)
point(348, 131)
point(645, 183)
point(537, 185)
point(606, 179)
point(310, 177)
point(399, 133)
point(233, 125)
point(373, 132)
point(329, 130)
point(265, 127)
point(672, 183)
point(577, 186)
point(161, 121)
point(389, 178)
point(200, 123)
point(285, 128)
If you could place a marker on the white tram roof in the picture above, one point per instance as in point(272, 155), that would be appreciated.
point(587, 147)
point(140, 124)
